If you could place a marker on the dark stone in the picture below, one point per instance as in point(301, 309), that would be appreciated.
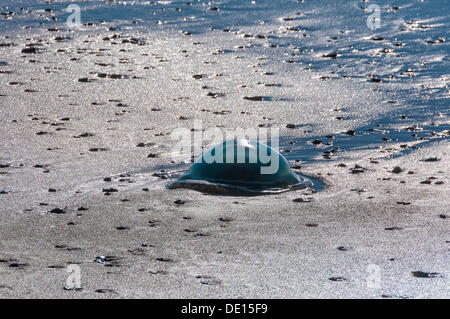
point(57, 211)
point(422, 274)
point(337, 278)
point(350, 132)
point(393, 228)
point(30, 50)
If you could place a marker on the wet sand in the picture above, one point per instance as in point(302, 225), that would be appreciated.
point(86, 156)
point(211, 246)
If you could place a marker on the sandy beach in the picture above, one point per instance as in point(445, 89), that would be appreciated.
point(86, 152)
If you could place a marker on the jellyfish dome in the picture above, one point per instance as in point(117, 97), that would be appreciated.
point(241, 166)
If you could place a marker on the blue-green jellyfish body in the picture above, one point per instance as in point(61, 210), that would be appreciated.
point(241, 166)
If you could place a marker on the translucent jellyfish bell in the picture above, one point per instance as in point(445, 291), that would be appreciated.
point(238, 166)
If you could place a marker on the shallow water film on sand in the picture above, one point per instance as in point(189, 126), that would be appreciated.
point(93, 95)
